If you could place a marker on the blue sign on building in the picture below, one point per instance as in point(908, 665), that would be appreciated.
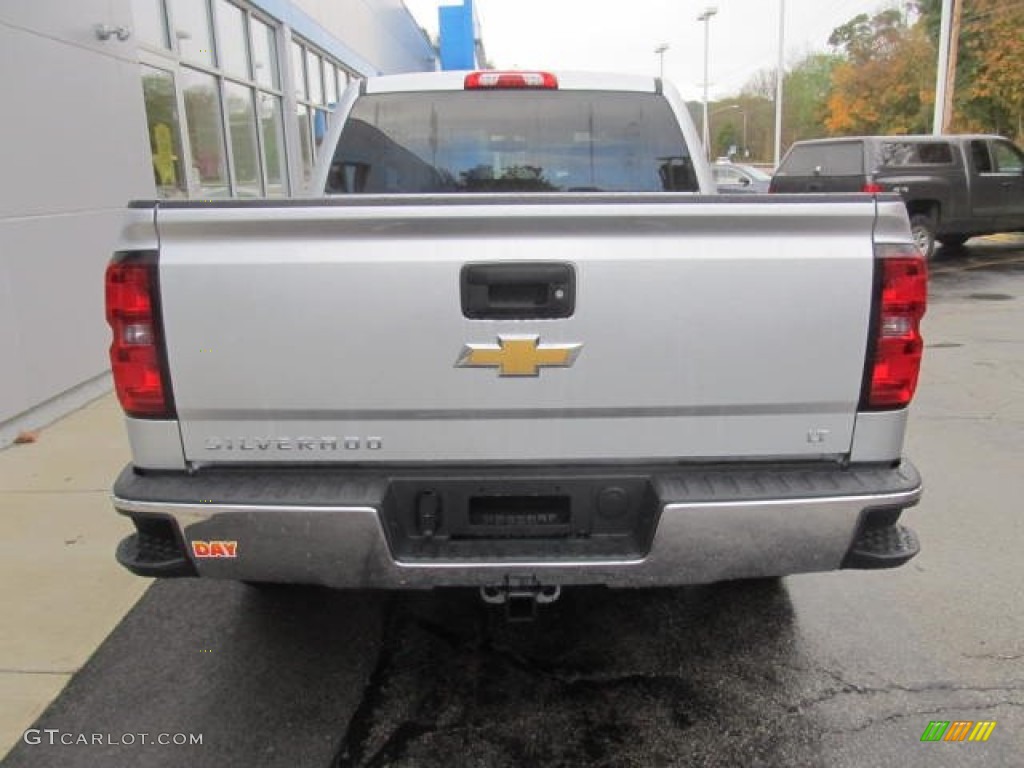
point(457, 24)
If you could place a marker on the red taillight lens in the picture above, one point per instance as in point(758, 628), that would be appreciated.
point(872, 189)
point(135, 354)
point(500, 80)
point(897, 344)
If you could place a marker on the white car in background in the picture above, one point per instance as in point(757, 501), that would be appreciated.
point(735, 177)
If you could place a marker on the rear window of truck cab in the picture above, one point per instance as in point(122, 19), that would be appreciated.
point(826, 159)
point(511, 141)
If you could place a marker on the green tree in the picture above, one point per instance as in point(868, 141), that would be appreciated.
point(806, 91)
point(989, 91)
point(744, 122)
point(880, 78)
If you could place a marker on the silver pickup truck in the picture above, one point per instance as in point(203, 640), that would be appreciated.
point(515, 343)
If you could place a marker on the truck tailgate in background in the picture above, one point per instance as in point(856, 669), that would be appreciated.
point(330, 330)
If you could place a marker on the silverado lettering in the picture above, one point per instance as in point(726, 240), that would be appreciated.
point(268, 443)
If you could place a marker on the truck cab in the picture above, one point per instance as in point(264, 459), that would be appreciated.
point(955, 187)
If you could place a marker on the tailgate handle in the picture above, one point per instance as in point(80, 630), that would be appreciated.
point(518, 291)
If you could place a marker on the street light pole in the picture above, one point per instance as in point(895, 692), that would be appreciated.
point(706, 18)
point(746, 151)
point(660, 50)
point(779, 74)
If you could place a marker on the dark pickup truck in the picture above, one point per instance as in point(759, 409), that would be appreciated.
point(955, 187)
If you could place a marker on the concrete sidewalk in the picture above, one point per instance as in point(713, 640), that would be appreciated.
point(60, 589)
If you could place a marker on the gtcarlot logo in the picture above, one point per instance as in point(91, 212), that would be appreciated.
point(958, 730)
point(55, 736)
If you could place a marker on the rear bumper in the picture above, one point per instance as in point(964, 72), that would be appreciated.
point(339, 527)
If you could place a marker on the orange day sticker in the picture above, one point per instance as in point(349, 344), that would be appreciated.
point(215, 548)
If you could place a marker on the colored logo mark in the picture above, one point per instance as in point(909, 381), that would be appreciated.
point(958, 730)
point(515, 355)
point(215, 548)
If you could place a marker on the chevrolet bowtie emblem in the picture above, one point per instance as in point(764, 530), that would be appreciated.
point(518, 355)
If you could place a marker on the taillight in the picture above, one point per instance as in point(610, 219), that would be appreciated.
point(896, 345)
point(136, 352)
point(872, 188)
point(500, 80)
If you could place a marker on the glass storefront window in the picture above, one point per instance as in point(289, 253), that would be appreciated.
point(205, 126)
point(245, 153)
point(164, 136)
point(191, 20)
point(298, 71)
point(330, 84)
point(150, 24)
point(316, 90)
point(305, 144)
point(264, 54)
point(320, 118)
point(273, 144)
point(223, 68)
point(318, 85)
point(231, 37)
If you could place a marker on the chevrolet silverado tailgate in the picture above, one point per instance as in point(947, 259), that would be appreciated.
point(685, 327)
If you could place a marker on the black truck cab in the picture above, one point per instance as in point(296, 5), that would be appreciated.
point(955, 187)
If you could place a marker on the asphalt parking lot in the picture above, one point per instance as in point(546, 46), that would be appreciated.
point(838, 669)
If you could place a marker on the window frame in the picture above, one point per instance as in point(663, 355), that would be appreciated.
point(887, 152)
point(170, 59)
point(1011, 149)
point(303, 100)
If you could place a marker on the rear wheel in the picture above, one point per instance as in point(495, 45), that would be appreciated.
point(922, 226)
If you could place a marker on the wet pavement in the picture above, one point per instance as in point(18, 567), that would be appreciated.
point(838, 669)
point(602, 678)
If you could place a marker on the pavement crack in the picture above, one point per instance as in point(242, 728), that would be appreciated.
point(994, 656)
point(397, 742)
point(440, 678)
point(847, 687)
point(559, 673)
point(360, 728)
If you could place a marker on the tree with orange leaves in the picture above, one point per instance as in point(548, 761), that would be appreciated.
point(886, 81)
point(989, 93)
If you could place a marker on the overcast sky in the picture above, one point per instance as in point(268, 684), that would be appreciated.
point(620, 36)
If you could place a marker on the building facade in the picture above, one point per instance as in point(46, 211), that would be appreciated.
point(112, 100)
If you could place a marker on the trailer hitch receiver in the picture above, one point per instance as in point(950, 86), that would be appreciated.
point(520, 596)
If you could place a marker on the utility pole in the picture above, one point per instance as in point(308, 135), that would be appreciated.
point(954, 52)
point(941, 74)
point(779, 74)
point(706, 18)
